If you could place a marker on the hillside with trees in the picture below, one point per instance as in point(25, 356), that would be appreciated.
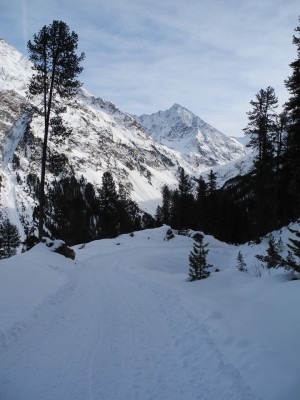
point(266, 198)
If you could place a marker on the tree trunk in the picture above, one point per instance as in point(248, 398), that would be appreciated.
point(42, 197)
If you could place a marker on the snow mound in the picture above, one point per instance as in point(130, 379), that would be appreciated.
point(125, 323)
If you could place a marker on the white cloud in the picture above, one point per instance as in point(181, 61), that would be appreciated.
point(211, 56)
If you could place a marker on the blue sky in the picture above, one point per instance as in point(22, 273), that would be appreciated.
point(210, 56)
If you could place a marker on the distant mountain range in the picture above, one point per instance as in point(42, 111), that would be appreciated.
point(141, 152)
point(199, 144)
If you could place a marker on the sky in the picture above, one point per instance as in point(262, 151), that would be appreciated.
point(210, 56)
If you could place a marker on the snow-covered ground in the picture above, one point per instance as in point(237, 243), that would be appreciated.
point(122, 322)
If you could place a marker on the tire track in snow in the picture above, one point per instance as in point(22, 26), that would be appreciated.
point(51, 359)
point(117, 337)
point(203, 369)
point(43, 312)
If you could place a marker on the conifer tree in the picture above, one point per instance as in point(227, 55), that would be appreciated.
point(241, 265)
point(293, 127)
point(201, 205)
point(262, 124)
point(273, 258)
point(183, 201)
point(279, 246)
point(128, 211)
point(109, 218)
point(67, 212)
point(159, 220)
point(166, 204)
point(197, 260)
point(56, 64)
point(30, 240)
point(293, 260)
point(201, 189)
point(279, 175)
point(9, 239)
point(261, 128)
point(211, 198)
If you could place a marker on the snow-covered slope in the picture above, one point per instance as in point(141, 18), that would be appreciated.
point(15, 69)
point(244, 140)
point(200, 144)
point(103, 138)
point(122, 322)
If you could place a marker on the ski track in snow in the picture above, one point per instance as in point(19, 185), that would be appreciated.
point(117, 336)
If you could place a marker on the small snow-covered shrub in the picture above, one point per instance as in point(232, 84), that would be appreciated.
point(257, 269)
point(241, 265)
point(197, 259)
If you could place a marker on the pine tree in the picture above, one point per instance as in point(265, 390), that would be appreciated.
point(166, 204)
point(67, 214)
point(241, 265)
point(293, 127)
point(197, 260)
point(293, 260)
point(184, 182)
point(128, 211)
point(279, 246)
point(183, 202)
point(30, 240)
point(9, 239)
point(201, 189)
point(262, 124)
point(261, 128)
point(56, 162)
point(212, 203)
point(109, 216)
point(273, 258)
point(56, 64)
point(278, 179)
point(92, 204)
point(201, 205)
point(159, 216)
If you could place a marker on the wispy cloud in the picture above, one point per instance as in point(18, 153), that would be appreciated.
point(211, 56)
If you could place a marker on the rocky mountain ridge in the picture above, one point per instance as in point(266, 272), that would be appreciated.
point(103, 138)
point(200, 144)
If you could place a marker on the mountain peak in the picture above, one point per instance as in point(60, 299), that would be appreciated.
point(15, 68)
point(200, 143)
point(176, 106)
point(103, 138)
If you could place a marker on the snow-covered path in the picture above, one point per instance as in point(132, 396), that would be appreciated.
point(118, 336)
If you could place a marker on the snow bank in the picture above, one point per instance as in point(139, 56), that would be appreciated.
point(155, 332)
point(29, 283)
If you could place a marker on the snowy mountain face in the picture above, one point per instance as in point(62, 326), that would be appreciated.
point(103, 138)
point(199, 143)
point(244, 140)
point(15, 69)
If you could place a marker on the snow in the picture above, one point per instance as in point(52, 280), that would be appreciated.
point(244, 140)
point(29, 281)
point(121, 321)
point(15, 69)
point(199, 144)
point(103, 138)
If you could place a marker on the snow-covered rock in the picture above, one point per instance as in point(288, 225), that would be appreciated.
point(15, 69)
point(199, 143)
point(103, 138)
